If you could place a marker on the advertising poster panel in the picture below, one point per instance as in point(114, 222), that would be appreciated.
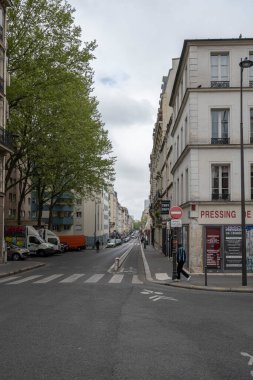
point(233, 247)
point(213, 243)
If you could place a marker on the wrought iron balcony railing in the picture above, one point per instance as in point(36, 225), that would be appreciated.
point(6, 138)
point(220, 141)
point(221, 197)
point(220, 83)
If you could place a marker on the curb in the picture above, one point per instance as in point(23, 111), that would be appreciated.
point(22, 270)
point(190, 286)
point(211, 288)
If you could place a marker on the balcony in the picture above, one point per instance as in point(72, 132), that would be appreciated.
point(62, 221)
point(221, 197)
point(220, 84)
point(251, 83)
point(220, 141)
point(6, 139)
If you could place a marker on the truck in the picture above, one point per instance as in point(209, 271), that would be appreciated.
point(50, 237)
point(74, 242)
point(28, 237)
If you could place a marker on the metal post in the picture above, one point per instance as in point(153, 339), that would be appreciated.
point(174, 253)
point(95, 226)
point(244, 264)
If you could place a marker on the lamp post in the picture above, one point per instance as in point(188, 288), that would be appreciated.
point(244, 64)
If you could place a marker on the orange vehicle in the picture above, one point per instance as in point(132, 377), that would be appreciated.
point(74, 242)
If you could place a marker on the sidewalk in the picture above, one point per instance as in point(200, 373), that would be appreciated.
point(14, 267)
point(159, 266)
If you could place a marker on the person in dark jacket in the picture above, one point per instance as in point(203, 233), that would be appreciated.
point(97, 245)
point(181, 259)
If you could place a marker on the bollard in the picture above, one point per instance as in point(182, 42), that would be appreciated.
point(116, 264)
point(205, 276)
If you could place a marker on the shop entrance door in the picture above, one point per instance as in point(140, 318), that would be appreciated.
point(213, 247)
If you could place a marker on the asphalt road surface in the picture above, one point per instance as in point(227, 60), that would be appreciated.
point(77, 319)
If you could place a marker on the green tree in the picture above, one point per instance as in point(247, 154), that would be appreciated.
point(61, 144)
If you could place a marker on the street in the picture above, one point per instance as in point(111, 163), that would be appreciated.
point(77, 319)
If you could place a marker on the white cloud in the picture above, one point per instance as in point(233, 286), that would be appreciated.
point(137, 40)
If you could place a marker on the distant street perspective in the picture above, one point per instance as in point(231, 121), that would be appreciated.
point(126, 190)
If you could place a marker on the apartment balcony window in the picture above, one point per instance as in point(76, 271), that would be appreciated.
point(220, 70)
point(219, 84)
point(220, 182)
point(251, 180)
point(251, 71)
point(251, 125)
point(220, 197)
point(220, 141)
point(220, 126)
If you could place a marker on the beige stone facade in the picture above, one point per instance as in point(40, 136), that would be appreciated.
point(203, 153)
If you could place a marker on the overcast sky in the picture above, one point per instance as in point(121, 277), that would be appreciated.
point(137, 40)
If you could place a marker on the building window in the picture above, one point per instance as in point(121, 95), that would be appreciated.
point(220, 182)
point(182, 188)
point(79, 201)
point(251, 125)
point(186, 185)
point(182, 139)
point(220, 70)
point(78, 214)
point(220, 126)
point(251, 180)
point(251, 70)
point(186, 131)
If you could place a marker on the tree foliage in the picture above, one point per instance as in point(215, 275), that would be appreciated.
point(61, 143)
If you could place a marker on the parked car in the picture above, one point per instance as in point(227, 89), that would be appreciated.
point(111, 243)
point(118, 241)
point(16, 253)
point(64, 247)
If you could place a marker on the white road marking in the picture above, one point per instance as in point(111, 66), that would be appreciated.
point(116, 279)
point(250, 362)
point(48, 279)
point(95, 278)
point(30, 278)
point(156, 298)
point(136, 280)
point(6, 279)
point(157, 295)
point(162, 276)
point(72, 278)
point(249, 356)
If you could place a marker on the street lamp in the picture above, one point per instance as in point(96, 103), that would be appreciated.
point(244, 64)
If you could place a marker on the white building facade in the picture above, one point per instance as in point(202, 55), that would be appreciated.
point(204, 134)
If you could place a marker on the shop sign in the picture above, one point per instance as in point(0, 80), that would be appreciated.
point(165, 207)
point(233, 247)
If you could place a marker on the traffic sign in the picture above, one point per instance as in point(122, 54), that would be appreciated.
point(176, 212)
point(175, 223)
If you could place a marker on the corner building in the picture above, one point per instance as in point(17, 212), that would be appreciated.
point(204, 152)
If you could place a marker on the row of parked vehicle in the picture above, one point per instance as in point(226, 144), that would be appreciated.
point(24, 241)
point(114, 242)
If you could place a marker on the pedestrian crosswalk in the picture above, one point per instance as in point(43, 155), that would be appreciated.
point(60, 278)
point(80, 278)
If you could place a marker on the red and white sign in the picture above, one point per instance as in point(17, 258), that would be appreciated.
point(176, 212)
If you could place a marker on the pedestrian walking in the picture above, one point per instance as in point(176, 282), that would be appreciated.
point(181, 259)
point(97, 245)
